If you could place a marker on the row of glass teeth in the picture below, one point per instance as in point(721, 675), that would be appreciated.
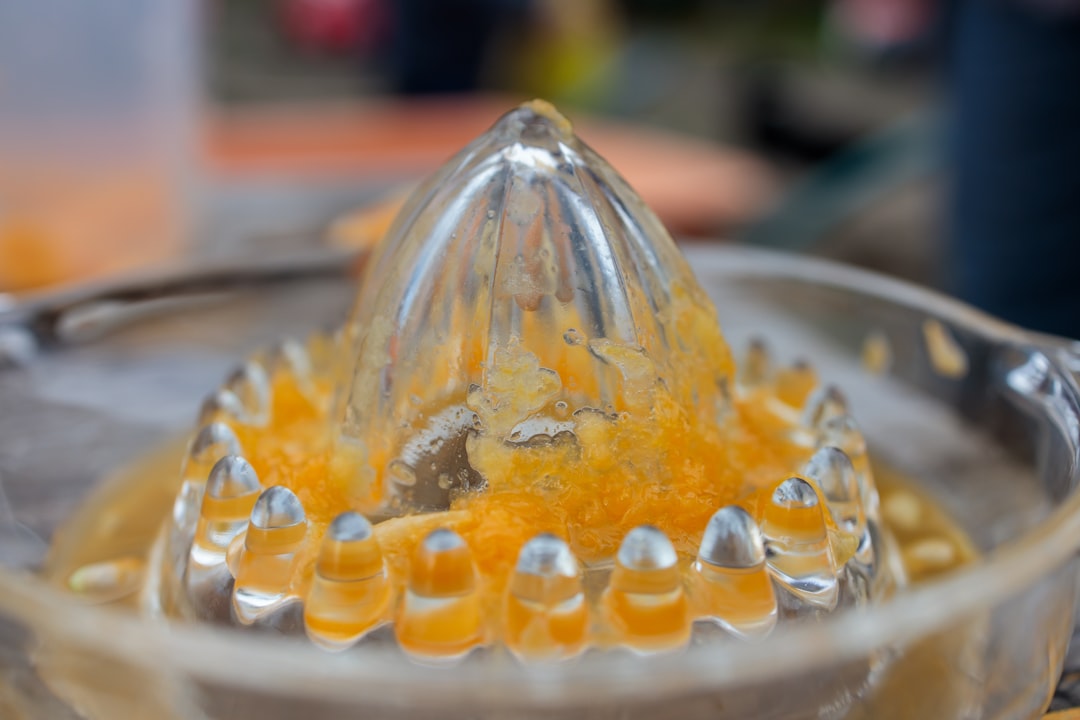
point(235, 546)
point(243, 559)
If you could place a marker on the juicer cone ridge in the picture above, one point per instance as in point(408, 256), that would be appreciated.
point(527, 333)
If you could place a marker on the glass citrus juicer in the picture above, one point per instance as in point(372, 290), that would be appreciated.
point(529, 477)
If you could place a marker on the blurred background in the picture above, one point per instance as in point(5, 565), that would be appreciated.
point(935, 141)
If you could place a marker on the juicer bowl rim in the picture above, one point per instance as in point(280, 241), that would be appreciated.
point(249, 660)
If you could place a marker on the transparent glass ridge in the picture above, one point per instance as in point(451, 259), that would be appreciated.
point(527, 260)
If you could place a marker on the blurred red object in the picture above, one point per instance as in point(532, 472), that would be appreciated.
point(886, 23)
point(338, 27)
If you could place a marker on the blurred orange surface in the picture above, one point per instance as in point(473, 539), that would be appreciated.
point(62, 226)
point(115, 225)
point(695, 186)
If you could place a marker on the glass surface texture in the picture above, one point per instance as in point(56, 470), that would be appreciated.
point(94, 380)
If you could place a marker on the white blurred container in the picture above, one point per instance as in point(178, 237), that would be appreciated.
point(97, 105)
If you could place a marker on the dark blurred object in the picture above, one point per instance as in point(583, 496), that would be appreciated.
point(775, 123)
point(657, 11)
point(868, 172)
point(881, 49)
point(336, 27)
point(1015, 148)
point(441, 47)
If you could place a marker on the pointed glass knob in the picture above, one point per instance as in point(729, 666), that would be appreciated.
point(831, 469)
point(546, 615)
point(439, 619)
point(799, 552)
point(230, 493)
point(264, 570)
point(210, 444)
point(350, 591)
point(645, 602)
point(732, 585)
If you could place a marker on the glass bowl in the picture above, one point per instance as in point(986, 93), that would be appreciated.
point(983, 416)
